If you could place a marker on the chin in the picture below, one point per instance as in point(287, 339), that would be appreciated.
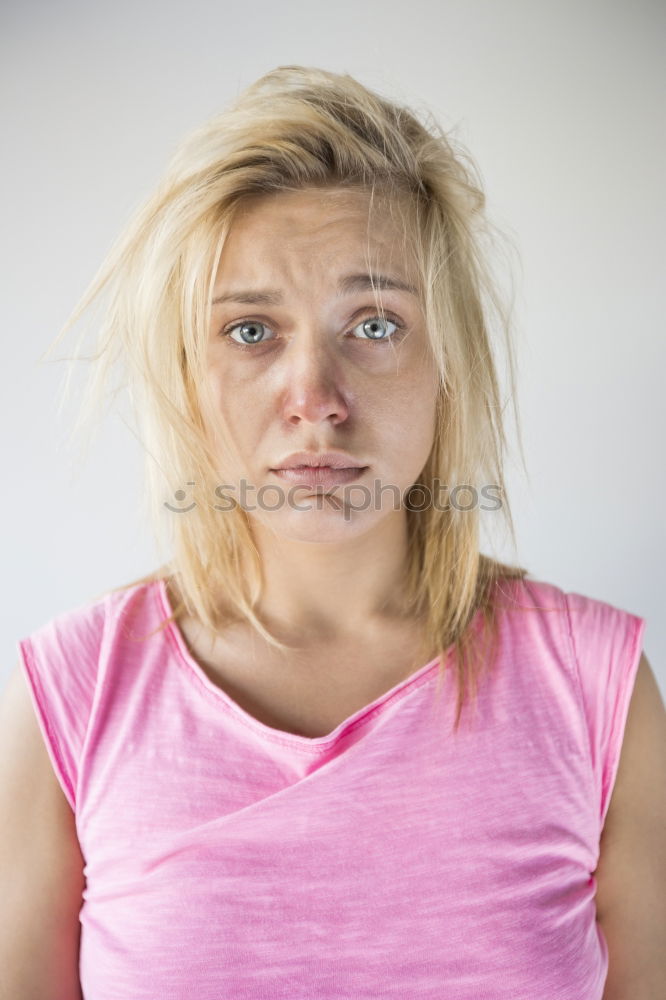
point(324, 522)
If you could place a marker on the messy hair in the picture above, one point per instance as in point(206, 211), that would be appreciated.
point(301, 128)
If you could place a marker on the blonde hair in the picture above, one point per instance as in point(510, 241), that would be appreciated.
point(300, 127)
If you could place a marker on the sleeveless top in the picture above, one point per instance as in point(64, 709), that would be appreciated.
point(228, 859)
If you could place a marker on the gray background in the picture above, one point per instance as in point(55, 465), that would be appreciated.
point(561, 104)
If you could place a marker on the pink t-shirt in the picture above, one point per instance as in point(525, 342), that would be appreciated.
point(228, 860)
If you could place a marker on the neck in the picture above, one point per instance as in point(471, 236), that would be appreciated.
point(322, 591)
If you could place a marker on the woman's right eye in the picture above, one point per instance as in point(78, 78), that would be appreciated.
point(248, 328)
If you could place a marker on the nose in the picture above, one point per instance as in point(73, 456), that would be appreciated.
point(314, 388)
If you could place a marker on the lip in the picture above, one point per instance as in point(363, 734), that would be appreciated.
point(315, 459)
point(321, 475)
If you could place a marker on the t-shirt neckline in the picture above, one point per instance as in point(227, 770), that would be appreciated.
point(306, 744)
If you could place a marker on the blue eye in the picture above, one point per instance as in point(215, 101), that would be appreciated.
point(373, 329)
point(246, 325)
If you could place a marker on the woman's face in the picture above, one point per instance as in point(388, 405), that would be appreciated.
point(293, 365)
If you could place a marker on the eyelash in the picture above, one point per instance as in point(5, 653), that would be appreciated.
point(383, 340)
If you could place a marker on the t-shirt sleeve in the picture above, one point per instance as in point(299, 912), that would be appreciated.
point(606, 646)
point(59, 661)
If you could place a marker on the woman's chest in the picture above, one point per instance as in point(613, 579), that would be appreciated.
point(311, 692)
point(409, 865)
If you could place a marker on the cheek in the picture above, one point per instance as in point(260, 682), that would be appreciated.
point(234, 424)
point(409, 417)
point(403, 424)
point(234, 399)
point(412, 397)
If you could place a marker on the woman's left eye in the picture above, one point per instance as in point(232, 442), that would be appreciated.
point(374, 328)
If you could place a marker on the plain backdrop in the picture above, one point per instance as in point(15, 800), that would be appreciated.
point(561, 105)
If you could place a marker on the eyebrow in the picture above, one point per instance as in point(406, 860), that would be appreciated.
point(347, 284)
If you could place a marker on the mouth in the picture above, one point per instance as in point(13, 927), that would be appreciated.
point(319, 475)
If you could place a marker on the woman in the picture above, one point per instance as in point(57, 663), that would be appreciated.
point(329, 749)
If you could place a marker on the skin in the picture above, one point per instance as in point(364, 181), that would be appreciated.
point(631, 873)
point(316, 381)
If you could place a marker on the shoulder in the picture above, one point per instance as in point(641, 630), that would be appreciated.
point(532, 615)
point(77, 634)
point(596, 637)
point(69, 659)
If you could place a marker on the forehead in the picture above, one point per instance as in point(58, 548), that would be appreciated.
point(349, 204)
point(330, 221)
